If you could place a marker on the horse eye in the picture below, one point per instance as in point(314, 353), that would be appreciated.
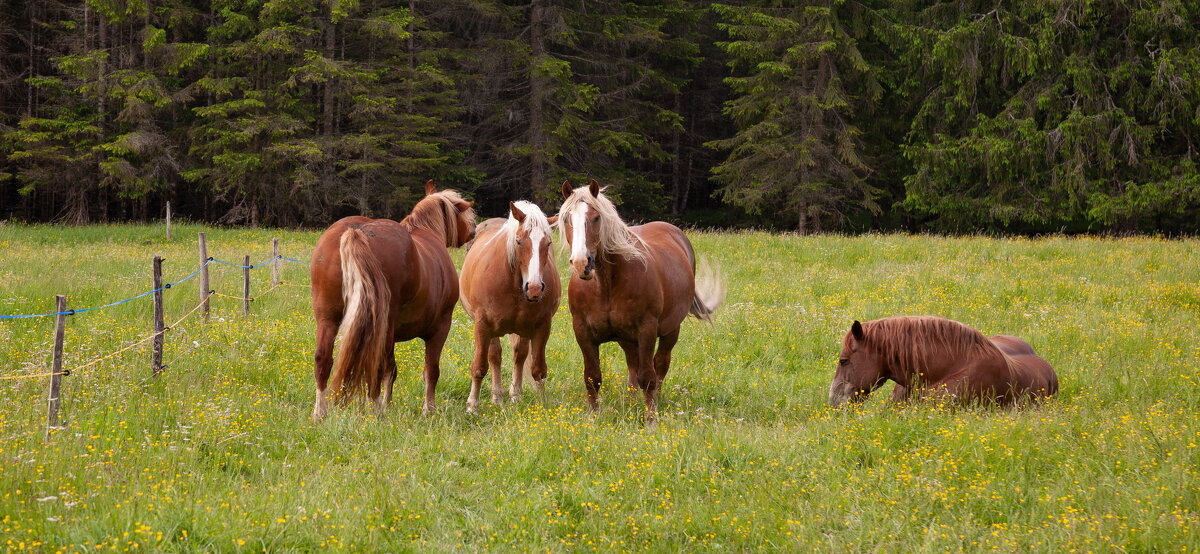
point(519, 243)
point(843, 361)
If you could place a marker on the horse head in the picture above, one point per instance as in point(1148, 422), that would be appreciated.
point(529, 246)
point(859, 371)
point(581, 225)
point(459, 225)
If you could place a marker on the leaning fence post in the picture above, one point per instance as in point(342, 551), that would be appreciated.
point(246, 286)
point(56, 364)
point(156, 366)
point(275, 263)
point(204, 275)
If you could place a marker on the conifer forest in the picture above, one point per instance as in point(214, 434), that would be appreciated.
point(966, 116)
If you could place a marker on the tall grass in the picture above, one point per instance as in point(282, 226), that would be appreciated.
point(218, 452)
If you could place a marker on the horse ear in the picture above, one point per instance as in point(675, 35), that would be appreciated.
point(516, 212)
point(595, 188)
point(857, 330)
point(552, 219)
point(464, 206)
point(566, 189)
point(429, 188)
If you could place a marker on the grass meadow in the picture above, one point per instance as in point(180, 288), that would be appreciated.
point(218, 453)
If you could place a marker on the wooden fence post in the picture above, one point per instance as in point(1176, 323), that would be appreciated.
point(56, 364)
point(275, 264)
point(168, 221)
point(204, 275)
point(156, 366)
point(246, 286)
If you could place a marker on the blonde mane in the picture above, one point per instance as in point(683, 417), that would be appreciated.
point(615, 236)
point(534, 219)
point(438, 213)
point(907, 343)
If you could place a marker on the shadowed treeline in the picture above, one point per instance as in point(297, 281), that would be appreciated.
point(1029, 117)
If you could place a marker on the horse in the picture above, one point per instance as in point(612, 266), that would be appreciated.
point(510, 285)
point(385, 282)
point(632, 285)
point(938, 357)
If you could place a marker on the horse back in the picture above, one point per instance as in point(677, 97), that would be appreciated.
point(671, 259)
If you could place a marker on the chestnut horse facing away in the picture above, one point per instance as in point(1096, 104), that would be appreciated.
point(385, 282)
point(938, 357)
point(633, 285)
point(510, 286)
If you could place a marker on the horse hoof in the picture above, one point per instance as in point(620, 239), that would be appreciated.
point(472, 409)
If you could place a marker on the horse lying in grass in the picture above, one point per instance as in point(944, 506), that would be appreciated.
point(940, 358)
point(385, 282)
point(633, 285)
point(510, 286)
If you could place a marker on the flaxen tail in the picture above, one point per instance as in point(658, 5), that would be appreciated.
point(710, 291)
point(366, 327)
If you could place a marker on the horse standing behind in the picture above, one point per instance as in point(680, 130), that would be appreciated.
point(934, 356)
point(510, 286)
point(633, 285)
point(387, 282)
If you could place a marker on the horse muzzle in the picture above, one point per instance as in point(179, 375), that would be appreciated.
point(533, 291)
point(588, 270)
point(841, 391)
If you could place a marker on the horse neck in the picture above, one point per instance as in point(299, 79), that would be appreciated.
point(935, 366)
point(430, 215)
point(613, 270)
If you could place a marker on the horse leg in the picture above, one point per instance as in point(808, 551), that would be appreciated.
point(479, 368)
point(649, 380)
point(537, 362)
point(900, 393)
point(326, 333)
point(494, 359)
point(520, 348)
point(632, 364)
point(389, 379)
point(592, 376)
point(662, 358)
point(433, 367)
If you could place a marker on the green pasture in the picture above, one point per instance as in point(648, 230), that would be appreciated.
point(218, 453)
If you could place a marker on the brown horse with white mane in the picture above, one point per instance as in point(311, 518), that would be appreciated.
point(633, 285)
point(510, 286)
point(385, 282)
point(934, 356)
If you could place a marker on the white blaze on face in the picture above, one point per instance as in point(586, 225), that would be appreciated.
point(579, 233)
point(533, 271)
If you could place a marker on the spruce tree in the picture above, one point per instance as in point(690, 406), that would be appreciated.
point(799, 82)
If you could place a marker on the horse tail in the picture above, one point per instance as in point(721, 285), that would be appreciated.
point(710, 291)
point(366, 327)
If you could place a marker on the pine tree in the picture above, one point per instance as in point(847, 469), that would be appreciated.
point(1045, 116)
point(799, 82)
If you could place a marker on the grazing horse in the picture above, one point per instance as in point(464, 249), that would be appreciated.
point(510, 286)
point(938, 357)
point(633, 285)
point(385, 282)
